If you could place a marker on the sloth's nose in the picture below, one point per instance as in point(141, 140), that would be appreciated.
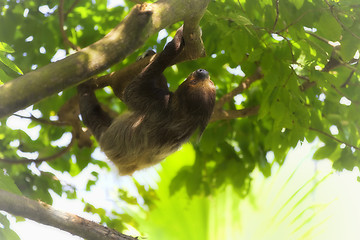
point(201, 74)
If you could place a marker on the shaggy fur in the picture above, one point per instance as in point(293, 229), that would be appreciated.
point(159, 121)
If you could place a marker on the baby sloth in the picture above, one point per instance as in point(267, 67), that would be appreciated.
point(159, 121)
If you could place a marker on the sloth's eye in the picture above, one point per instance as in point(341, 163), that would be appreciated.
point(193, 82)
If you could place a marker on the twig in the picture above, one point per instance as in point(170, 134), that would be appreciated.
point(221, 114)
point(40, 120)
point(241, 7)
point(307, 84)
point(71, 8)
point(290, 47)
point(46, 214)
point(294, 22)
point(331, 7)
point(318, 37)
point(63, 33)
point(350, 76)
point(343, 95)
point(40, 160)
point(277, 13)
point(243, 86)
point(333, 138)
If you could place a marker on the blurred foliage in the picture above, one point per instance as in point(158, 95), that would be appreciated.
point(302, 96)
point(282, 210)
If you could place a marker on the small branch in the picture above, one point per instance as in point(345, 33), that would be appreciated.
point(331, 7)
point(343, 95)
point(46, 214)
point(290, 47)
point(241, 7)
point(277, 13)
point(221, 114)
point(294, 22)
point(318, 37)
point(43, 121)
point(306, 85)
point(350, 76)
point(63, 33)
point(40, 160)
point(243, 86)
point(71, 8)
point(333, 138)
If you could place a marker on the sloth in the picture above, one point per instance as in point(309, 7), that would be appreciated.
point(159, 121)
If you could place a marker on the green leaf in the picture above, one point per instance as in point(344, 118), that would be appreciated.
point(349, 46)
point(3, 77)
point(346, 160)
point(4, 47)
point(255, 55)
point(178, 181)
point(241, 20)
point(298, 3)
point(328, 27)
point(7, 183)
point(5, 232)
point(10, 64)
point(278, 110)
point(325, 151)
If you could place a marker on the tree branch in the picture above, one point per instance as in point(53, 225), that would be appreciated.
point(244, 85)
point(118, 80)
point(63, 33)
point(277, 14)
point(142, 22)
point(294, 22)
point(331, 7)
point(222, 114)
point(45, 214)
point(334, 138)
point(40, 160)
point(71, 8)
point(41, 120)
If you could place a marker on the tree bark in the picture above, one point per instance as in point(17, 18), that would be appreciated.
point(142, 22)
point(45, 214)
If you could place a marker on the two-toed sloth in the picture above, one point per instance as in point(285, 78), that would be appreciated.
point(159, 121)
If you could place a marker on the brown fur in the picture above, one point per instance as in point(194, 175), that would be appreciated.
point(159, 121)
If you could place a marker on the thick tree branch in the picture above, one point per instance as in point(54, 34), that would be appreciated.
point(120, 79)
point(142, 22)
point(45, 214)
